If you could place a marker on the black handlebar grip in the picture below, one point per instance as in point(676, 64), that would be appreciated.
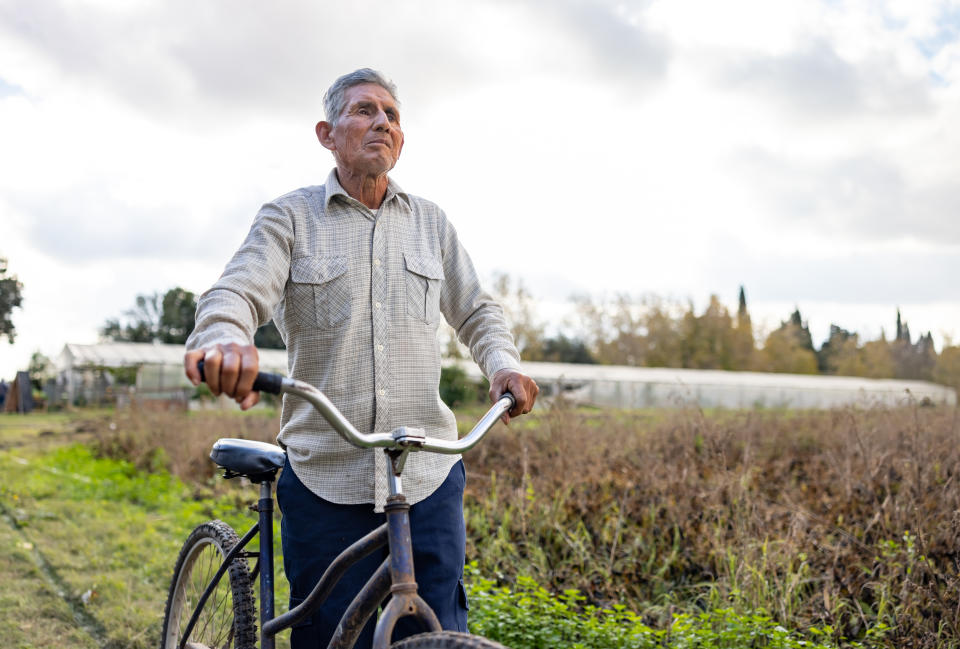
point(265, 381)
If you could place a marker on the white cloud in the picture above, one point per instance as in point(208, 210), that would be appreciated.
point(805, 149)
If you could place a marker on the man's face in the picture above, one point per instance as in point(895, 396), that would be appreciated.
point(367, 138)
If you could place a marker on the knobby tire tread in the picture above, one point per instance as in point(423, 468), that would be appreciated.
point(238, 575)
point(446, 640)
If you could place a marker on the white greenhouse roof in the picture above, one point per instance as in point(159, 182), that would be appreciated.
point(720, 387)
point(679, 376)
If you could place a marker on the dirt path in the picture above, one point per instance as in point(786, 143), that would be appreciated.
point(38, 610)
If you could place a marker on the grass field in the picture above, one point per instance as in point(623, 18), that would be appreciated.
point(722, 529)
point(88, 543)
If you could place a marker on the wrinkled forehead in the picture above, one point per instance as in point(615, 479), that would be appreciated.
point(369, 93)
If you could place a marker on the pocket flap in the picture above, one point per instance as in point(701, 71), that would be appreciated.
point(316, 270)
point(426, 266)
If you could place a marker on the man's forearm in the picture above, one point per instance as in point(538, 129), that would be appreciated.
point(223, 316)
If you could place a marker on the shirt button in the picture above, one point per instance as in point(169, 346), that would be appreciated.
point(376, 262)
point(382, 392)
point(378, 305)
point(379, 348)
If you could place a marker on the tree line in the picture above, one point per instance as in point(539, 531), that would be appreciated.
point(645, 331)
point(170, 318)
point(650, 331)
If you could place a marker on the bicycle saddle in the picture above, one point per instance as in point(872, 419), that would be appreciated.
point(257, 461)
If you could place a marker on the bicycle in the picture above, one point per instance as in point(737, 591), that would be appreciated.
point(202, 612)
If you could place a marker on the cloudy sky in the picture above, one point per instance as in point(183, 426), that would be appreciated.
point(809, 150)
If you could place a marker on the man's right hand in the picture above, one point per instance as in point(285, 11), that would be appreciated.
point(228, 369)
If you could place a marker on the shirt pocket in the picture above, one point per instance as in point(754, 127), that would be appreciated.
point(320, 290)
point(423, 276)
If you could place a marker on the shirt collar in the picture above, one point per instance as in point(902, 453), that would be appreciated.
point(334, 188)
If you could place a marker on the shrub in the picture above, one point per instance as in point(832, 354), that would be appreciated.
point(458, 389)
point(529, 617)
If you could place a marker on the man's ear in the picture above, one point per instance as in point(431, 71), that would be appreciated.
point(325, 135)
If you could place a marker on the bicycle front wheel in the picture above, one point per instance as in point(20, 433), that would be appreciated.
point(446, 640)
point(228, 618)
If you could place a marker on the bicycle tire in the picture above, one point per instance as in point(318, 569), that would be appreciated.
point(446, 640)
point(229, 619)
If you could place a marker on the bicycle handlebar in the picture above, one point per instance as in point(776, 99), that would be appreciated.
point(403, 437)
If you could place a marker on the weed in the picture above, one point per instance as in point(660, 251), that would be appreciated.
point(842, 522)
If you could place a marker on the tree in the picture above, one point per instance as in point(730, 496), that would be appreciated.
point(168, 319)
point(11, 297)
point(177, 316)
point(708, 339)
point(518, 307)
point(789, 349)
point(561, 349)
point(833, 347)
point(912, 360)
point(663, 344)
point(800, 330)
point(140, 324)
point(947, 369)
point(847, 358)
point(744, 347)
point(653, 332)
point(40, 370)
point(877, 359)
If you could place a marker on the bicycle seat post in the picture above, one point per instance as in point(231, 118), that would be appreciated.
point(265, 509)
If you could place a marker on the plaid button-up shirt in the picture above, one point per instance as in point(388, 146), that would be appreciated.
point(358, 295)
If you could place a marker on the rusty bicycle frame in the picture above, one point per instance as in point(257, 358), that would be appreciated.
point(394, 577)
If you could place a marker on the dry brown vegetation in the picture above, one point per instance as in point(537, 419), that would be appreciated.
point(848, 519)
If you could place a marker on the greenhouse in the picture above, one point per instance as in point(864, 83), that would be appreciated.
point(643, 387)
point(89, 374)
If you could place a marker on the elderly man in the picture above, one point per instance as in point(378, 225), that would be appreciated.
point(356, 274)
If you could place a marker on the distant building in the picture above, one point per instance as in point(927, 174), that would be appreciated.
point(84, 374)
point(87, 373)
point(643, 387)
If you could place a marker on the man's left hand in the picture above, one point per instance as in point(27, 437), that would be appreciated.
point(522, 387)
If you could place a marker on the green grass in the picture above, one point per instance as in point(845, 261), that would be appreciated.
point(110, 534)
point(714, 528)
point(18, 429)
point(32, 614)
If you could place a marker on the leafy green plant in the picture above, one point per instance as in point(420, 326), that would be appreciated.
point(458, 389)
point(530, 617)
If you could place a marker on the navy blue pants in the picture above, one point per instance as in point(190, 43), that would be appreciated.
point(314, 531)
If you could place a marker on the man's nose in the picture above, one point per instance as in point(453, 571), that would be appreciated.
point(381, 122)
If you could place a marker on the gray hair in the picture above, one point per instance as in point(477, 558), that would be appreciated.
point(335, 96)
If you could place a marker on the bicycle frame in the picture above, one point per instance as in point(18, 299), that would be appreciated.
point(394, 577)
